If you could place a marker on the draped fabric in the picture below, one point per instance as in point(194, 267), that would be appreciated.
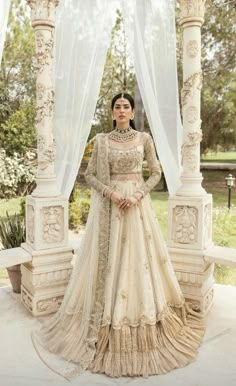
point(4, 10)
point(150, 27)
point(83, 32)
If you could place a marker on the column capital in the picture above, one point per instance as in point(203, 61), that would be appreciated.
point(192, 11)
point(43, 11)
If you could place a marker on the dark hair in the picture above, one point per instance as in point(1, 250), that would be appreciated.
point(131, 101)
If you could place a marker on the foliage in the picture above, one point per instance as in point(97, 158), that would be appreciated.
point(224, 274)
point(17, 174)
point(17, 82)
point(78, 207)
point(12, 231)
point(219, 85)
point(18, 134)
point(118, 76)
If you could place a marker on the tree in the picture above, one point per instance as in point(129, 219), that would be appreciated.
point(219, 64)
point(118, 76)
point(17, 82)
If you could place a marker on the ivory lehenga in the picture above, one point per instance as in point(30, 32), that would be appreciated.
point(123, 313)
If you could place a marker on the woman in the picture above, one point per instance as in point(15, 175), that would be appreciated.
point(123, 313)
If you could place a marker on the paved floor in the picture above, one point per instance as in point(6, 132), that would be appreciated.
point(215, 365)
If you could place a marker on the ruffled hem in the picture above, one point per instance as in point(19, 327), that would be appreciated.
point(150, 349)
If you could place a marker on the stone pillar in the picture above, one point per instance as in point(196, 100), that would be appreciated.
point(45, 278)
point(190, 210)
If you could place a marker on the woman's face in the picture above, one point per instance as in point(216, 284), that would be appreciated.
point(122, 112)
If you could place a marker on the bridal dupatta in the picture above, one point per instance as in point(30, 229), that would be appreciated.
point(72, 332)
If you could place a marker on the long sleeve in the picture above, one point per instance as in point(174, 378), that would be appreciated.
point(153, 166)
point(91, 172)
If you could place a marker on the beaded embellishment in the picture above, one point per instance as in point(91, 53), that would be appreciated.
point(123, 135)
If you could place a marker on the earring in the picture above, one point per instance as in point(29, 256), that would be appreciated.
point(132, 118)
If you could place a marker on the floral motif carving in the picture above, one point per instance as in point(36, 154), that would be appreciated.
point(26, 299)
point(30, 223)
point(44, 51)
point(189, 149)
point(195, 8)
point(45, 108)
point(49, 304)
point(192, 48)
point(47, 156)
point(185, 224)
point(52, 224)
point(191, 84)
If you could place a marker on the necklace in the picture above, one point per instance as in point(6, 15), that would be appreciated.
point(122, 135)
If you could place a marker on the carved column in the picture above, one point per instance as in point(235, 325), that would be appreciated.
point(45, 278)
point(190, 210)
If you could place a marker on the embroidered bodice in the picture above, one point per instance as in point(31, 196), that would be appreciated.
point(126, 161)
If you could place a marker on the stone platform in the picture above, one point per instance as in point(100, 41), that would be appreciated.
point(214, 365)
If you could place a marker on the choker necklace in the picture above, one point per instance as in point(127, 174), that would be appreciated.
point(122, 135)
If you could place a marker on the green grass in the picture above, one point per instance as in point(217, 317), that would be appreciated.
point(229, 156)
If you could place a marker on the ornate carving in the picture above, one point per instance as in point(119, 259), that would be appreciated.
point(42, 9)
point(192, 114)
point(52, 277)
point(185, 224)
point(191, 84)
point(192, 8)
point(51, 305)
point(192, 48)
point(26, 299)
point(209, 299)
point(30, 223)
point(45, 108)
point(47, 156)
point(189, 150)
point(44, 51)
point(52, 224)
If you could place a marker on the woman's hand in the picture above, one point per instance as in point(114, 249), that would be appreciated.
point(116, 198)
point(128, 202)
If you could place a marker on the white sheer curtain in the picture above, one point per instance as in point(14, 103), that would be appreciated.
point(150, 26)
point(83, 30)
point(4, 11)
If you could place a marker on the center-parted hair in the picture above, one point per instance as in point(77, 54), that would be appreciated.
point(131, 101)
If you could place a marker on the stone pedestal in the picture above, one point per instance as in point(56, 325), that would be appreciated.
point(45, 278)
point(189, 235)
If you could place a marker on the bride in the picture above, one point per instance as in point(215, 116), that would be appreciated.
point(123, 313)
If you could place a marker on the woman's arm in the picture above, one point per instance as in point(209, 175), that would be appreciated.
point(153, 165)
point(91, 173)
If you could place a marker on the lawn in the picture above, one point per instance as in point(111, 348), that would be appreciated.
point(229, 156)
